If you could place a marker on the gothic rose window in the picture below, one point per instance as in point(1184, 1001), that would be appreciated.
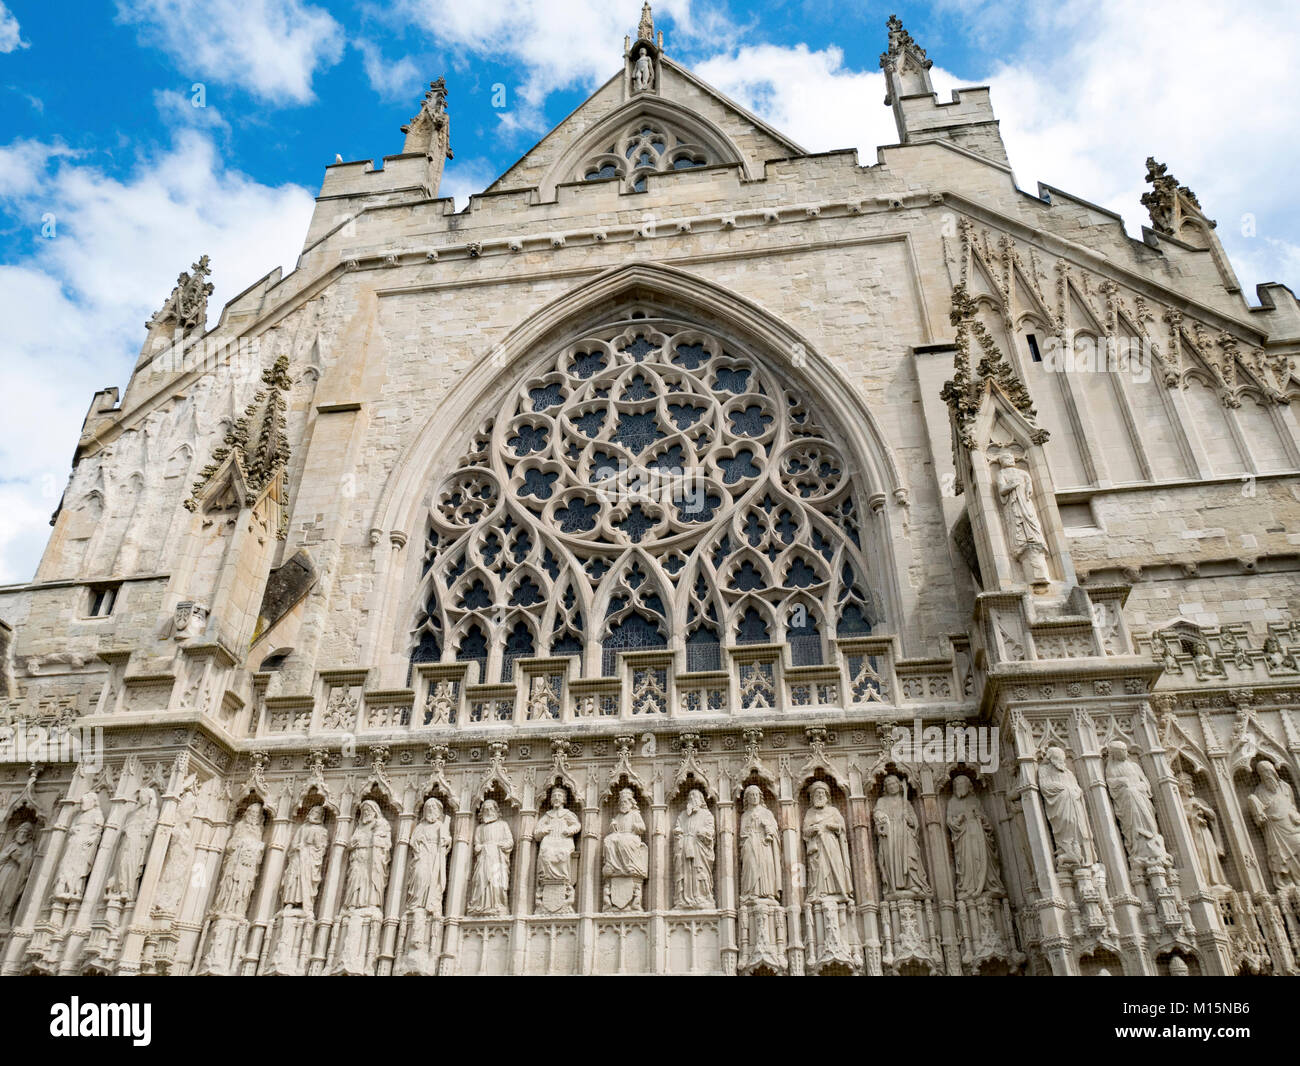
point(651, 486)
point(643, 148)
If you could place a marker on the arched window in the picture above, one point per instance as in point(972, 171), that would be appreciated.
point(650, 485)
point(646, 146)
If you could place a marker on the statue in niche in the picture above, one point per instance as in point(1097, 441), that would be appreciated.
point(1272, 805)
point(540, 700)
point(1204, 824)
point(975, 859)
point(761, 925)
point(361, 918)
point(760, 849)
point(643, 71)
point(239, 870)
point(15, 867)
point(441, 704)
point(898, 850)
point(693, 852)
point(79, 849)
point(240, 866)
point(489, 888)
point(368, 854)
point(1275, 657)
point(554, 834)
point(133, 850)
point(1066, 813)
point(626, 858)
point(1015, 488)
point(1130, 795)
point(304, 861)
point(430, 844)
point(176, 873)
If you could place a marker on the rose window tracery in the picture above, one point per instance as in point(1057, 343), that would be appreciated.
point(650, 486)
point(644, 147)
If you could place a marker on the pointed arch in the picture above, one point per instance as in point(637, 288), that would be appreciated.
point(745, 383)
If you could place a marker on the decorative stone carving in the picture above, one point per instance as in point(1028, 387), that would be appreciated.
point(898, 848)
point(79, 850)
point(15, 867)
point(762, 921)
point(426, 883)
point(1066, 812)
point(303, 864)
point(975, 859)
point(133, 845)
point(177, 868)
point(643, 71)
point(489, 889)
point(361, 918)
point(626, 858)
point(693, 853)
point(1273, 807)
point(1015, 488)
point(440, 707)
point(829, 895)
point(1206, 837)
point(228, 924)
point(186, 309)
point(1130, 795)
point(189, 620)
point(554, 834)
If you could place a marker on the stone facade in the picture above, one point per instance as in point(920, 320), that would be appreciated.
point(697, 556)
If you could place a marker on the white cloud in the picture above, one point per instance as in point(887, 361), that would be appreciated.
point(75, 310)
point(465, 177)
point(391, 79)
point(272, 48)
point(10, 38)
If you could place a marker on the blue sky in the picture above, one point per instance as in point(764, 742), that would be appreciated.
point(111, 181)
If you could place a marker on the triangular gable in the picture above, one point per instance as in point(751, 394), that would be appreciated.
point(701, 107)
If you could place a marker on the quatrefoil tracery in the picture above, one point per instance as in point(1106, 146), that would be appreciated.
point(649, 487)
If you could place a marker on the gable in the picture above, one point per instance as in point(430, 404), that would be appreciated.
point(698, 114)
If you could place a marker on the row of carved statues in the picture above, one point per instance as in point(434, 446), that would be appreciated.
point(852, 892)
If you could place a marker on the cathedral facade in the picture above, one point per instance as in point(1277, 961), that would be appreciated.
point(695, 556)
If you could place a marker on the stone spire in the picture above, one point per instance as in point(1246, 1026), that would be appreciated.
point(646, 30)
point(1168, 203)
point(186, 308)
point(906, 66)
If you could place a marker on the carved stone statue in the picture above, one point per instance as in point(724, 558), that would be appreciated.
point(761, 926)
point(133, 847)
point(643, 71)
point(368, 853)
point(554, 834)
point(361, 919)
point(239, 870)
point(240, 866)
point(1015, 488)
point(1273, 807)
point(1130, 794)
point(304, 860)
point(1204, 824)
point(625, 857)
point(1068, 816)
point(79, 849)
point(760, 849)
point(441, 704)
point(425, 886)
point(693, 853)
point(898, 849)
point(489, 887)
point(15, 867)
point(176, 873)
point(974, 853)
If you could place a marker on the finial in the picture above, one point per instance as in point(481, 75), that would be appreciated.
point(900, 41)
point(1167, 201)
point(646, 30)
